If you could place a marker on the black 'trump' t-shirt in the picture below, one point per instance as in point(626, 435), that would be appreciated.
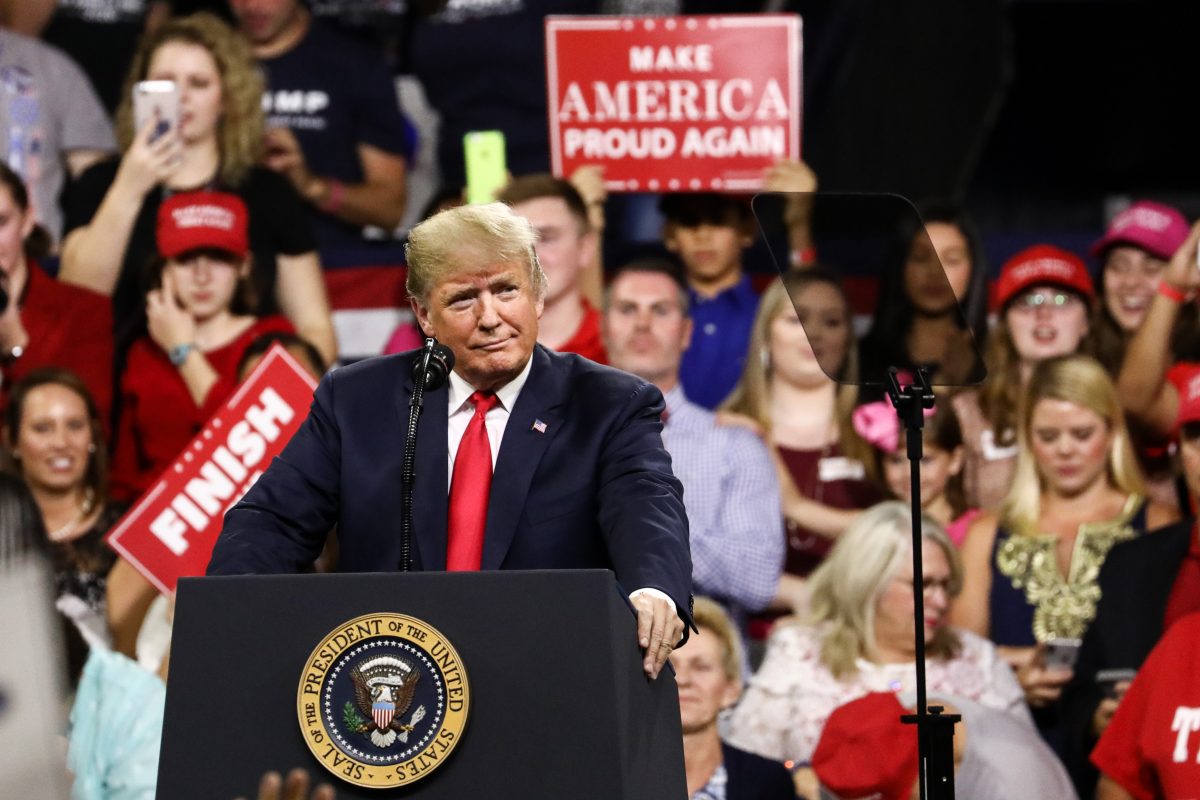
point(334, 93)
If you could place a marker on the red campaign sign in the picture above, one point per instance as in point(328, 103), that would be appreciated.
point(170, 533)
point(694, 103)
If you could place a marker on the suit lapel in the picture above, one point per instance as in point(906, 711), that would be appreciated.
point(429, 479)
point(520, 452)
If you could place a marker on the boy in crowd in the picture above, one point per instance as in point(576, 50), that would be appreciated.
point(567, 247)
point(708, 232)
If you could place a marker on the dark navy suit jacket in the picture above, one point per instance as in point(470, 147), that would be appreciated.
point(594, 489)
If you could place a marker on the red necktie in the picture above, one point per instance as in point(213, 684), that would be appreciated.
point(469, 490)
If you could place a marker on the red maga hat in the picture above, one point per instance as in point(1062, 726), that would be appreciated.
point(866, 750)
point(202, 220)
point(1042, 265)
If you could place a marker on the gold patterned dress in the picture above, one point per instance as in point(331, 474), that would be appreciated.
point(1030, 599)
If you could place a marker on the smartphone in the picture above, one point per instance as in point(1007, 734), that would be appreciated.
point(487, 171)
point(157, 101)
point(1060, 653)
point(1108, 679)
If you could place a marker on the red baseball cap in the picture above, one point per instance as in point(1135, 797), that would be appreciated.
point(1040, 265)
point(866, 750)
point(1154, 227)
point(202, 220)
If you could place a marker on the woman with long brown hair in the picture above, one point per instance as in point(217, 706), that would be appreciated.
point(804, 324)
point(55, 439)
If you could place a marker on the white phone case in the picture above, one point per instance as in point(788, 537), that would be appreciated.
point(156, 100)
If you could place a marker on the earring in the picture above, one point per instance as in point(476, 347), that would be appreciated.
point(92, 447)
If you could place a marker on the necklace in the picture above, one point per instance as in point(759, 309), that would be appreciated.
point(85, 510)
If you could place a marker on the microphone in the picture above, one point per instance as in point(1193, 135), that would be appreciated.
point(435, 363)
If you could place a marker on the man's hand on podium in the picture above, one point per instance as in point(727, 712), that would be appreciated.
point(659, 629)
point(272, 787)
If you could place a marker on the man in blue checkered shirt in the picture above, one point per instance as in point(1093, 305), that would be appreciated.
point(730, 490)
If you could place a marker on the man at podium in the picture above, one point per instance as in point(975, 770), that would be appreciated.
point(526, 459)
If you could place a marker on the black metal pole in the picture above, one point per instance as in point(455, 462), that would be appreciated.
point(935, 731)
point(407, 471)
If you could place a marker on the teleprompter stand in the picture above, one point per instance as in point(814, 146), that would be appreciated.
point(559, 705)
point(935, 730)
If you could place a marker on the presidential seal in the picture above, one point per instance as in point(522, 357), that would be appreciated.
point(383, 700)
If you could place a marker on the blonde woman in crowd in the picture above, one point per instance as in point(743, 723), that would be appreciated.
point(804, 323)
point(860, 638)
point(1031, 568)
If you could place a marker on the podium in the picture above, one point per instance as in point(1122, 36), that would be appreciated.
point(558, 706)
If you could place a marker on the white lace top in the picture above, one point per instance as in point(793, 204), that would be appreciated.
point(793, 693)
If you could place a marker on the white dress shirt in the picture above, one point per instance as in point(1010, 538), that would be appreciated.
point(461, 411)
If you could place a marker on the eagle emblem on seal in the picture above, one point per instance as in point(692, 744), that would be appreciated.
point(383, 691)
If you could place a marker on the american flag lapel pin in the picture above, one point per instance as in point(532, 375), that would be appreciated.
point(539, 426)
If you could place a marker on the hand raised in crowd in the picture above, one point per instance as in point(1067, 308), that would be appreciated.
point(12, 331)
point(1108, 707)
point(588, 180)
point(1183, 270)
point(659, 630)
point(272, 787)
point(283, 155)
point(169, 325)
point(800, 183)
point(787, 175)
point(1042, 685)
point(150, 161)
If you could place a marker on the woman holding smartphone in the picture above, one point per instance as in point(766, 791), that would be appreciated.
point(214, 144)
point(1031, 568)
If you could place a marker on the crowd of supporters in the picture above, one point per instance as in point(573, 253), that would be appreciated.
point(143, 272)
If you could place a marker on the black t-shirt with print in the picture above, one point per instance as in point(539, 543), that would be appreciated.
point(334, 94)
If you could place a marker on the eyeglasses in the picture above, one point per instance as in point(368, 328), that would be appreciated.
point(1055, 301)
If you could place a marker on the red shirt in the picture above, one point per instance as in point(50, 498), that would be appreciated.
point(586, 341)
point(158, 415)
point(69, 327)
point(1179, 375)
point(1152, 746)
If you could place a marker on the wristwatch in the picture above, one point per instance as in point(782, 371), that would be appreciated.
point(179, 353)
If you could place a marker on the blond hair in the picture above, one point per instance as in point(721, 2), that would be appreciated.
point(1083, 381)
point(845, 589)
point(240, 130)
point(491, 231)
point(752, 394)
point(709, 615)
